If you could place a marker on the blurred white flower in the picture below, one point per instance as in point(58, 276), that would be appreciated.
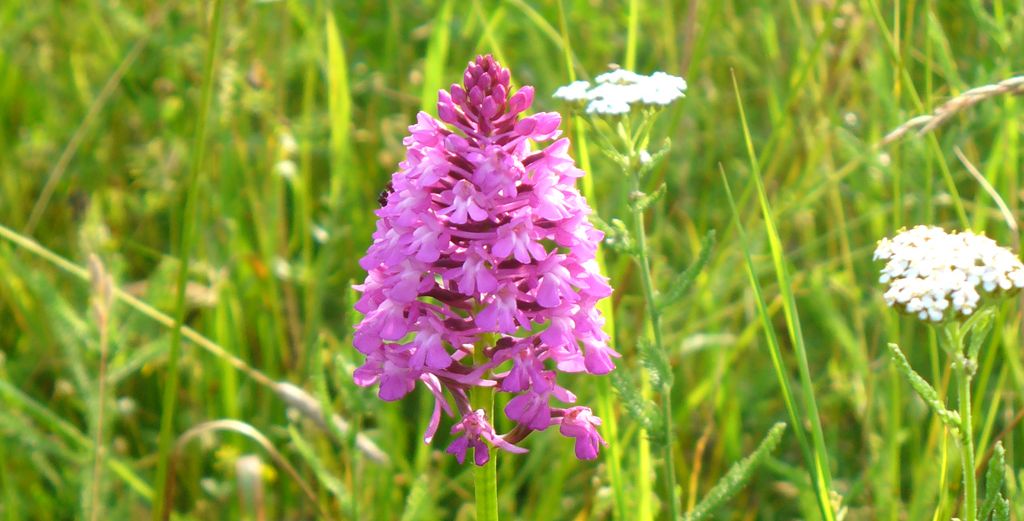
point(288, 144)
point(575, 91)
point(282, 268)
point(617, 92)
point(286, 168)
point(320, 235)
point(609, 106)
point(126, 406)
point(620, 76)
point(930, 272)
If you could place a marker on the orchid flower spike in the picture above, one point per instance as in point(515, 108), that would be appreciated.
point(483, 245)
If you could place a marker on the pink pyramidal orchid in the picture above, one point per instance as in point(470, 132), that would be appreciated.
point(483, 244)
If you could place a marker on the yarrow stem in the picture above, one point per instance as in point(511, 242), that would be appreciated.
point(623, 106)
point(950, 279)
point(963, 366)
point(654, 317)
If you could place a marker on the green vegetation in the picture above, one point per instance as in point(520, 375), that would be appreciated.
point(253, 139)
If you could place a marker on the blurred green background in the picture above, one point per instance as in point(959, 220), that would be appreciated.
point(99, 104)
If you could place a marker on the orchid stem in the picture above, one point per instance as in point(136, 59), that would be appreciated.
point(485, 476)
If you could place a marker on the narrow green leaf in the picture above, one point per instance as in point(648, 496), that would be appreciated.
point(184, 232)
point(633, 23)
point(616, 235)
point(339, 107)
point(994, 480)
point(924, 389)
point(437, 58)
point(318, 378)
point(417, 501)
point(15, 397)
point(737, 476)
point(774, 350)
point(821, 472)
point(978, 326)
point(655, 158)
point(682, 283)
point(644, 201)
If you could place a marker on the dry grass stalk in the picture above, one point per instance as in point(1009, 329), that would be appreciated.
point(304, 403)
point(292, 395)
point(249, 475)
point(928, 122)
point(253, 434)
point(102, 302)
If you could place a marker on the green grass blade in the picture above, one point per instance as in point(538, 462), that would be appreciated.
point(822, 476)
point(339, 108)
point(548, 30)
point(436, 60)
point(633, 26)
point(933, 142)
point(774, 350)
point(186, 239)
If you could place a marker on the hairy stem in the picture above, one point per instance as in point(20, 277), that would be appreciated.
point(967, 441)
point(963, 368)
point(654, 316)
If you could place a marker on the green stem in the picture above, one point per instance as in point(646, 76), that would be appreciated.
point(967, 441)
point(668, 469)
point(485, 477)
point(186, 230)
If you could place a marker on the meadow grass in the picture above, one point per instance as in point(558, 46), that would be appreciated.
point(105, 137)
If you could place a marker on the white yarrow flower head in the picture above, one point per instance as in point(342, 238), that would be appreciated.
point(617, 92)
point(575, 91)
point(937, 275)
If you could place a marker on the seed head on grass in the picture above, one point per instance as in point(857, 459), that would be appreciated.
point(483, 245)
point(938, 275)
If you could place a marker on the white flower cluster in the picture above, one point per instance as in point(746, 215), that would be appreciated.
point(930, 271)
point(617, 91)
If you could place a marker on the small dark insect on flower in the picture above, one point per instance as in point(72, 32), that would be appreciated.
point(382, 199)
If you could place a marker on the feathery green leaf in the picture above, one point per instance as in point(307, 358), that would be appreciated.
point(737, 476)
point(923, 388)
point(684, 281)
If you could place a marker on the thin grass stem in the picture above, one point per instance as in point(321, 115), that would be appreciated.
point(101, 307)
point(186, 232)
